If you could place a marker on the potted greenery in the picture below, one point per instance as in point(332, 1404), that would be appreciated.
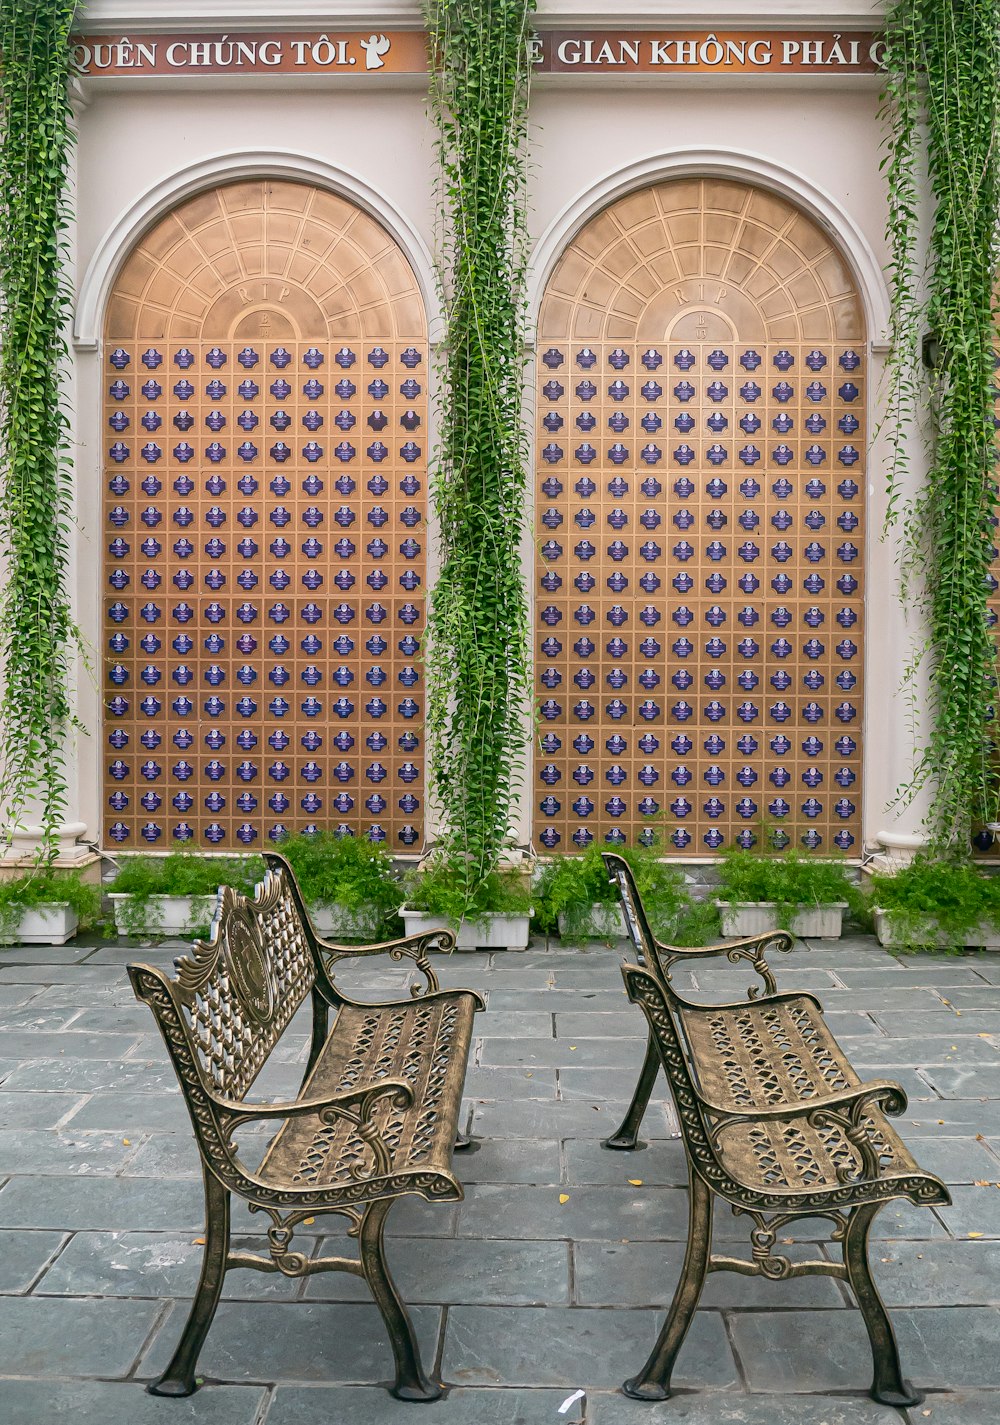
point(46, 907)
point(785, 891)
point(497, 916)
point(933, 904)
point(154, 896)
point(348, 884)
point(575, 896)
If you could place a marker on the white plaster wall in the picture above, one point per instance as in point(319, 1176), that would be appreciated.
point(824, 136)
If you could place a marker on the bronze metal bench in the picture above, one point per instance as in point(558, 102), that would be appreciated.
point(776, 1123)
point(376, 1116)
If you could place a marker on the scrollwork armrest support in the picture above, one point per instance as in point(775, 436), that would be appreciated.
point(751, 949)
point(847, 1110)
point(409, 947)
point(355, 1106)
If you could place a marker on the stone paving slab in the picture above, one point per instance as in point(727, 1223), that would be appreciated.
point(343, 1405)
point(942, 1347)
point(50, 1337)
point(715, 1408)
point(82, 1402)
point(496, 1345)
point(437, 1272)
point(523, 1297)
point(263, 1341)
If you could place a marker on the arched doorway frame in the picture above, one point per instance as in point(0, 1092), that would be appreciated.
point(96, 289)
point(754, 169)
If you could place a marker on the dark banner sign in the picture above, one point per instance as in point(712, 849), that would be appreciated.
point(554, 51)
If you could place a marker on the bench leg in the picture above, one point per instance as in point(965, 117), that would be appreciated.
point(888, 1385)
point(179, 1377)
point(411, 1383)
point(626, 1136)
point(653, 1381)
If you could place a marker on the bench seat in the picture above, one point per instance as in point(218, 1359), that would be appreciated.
point(774, 1053)
point(425, 1043)
point(777, 1124)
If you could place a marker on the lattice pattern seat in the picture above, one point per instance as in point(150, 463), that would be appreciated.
point(756, 1055)
point(802, 1157)
point(426, 1044)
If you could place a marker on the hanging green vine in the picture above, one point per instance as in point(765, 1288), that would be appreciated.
point(943, 99)
point(36, 628)
point(479, 663)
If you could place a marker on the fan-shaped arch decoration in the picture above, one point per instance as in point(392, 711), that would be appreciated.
point(298, 259)
point(264, 463)
point(699, 576)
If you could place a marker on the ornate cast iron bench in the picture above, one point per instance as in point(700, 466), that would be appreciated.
point(376, 1116)
point(777, 1124)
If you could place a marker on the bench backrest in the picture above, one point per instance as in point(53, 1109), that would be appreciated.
point(233, 996)
point(639, 932)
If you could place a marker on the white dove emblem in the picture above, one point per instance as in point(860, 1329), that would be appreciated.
point(374, 47)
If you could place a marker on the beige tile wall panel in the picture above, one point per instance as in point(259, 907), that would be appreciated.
point(316, 497)
point(700, 529)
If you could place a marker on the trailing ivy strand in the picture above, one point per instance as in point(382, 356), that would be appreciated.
point(943, 99)
point(479, 679)
point(36, 627)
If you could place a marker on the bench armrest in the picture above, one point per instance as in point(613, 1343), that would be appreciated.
point(356, 1106)
point(409, 947)
point(847, 1110)
point(751, 949)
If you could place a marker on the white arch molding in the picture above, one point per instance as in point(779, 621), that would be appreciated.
point(743, 167)
point(222, 168)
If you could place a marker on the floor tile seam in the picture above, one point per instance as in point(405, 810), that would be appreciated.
point(159, 1319)
point(42, 1272)
point(70, 1114)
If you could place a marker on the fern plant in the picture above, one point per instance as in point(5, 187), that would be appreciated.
point(931, 898)
point(789, 881)
point(46, 887)
point(36, 626)
point(146, 879)
point(478, 675)
point(347, 871)
point(942, 100)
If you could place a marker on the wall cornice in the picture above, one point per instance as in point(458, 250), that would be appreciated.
point(127, 16)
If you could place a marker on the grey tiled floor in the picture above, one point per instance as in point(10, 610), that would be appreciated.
point(554, 1273)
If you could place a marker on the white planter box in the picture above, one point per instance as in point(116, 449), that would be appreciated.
point(334, 921)
point(168, 915)
point(51, 924)
point(493, 932)
point(813, 922)
point(984, 935)
point(605, 922)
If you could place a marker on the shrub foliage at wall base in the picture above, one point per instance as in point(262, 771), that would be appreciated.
point(36, 628)
point(479, 680)
point(943, 102)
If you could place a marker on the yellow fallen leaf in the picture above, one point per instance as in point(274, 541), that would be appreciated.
point(572, 1046)
point(981, 1182)
point(127, 1142)
point(198, 1242)
point(564, 1197)
point(973, 1234)
point(529, 1075)
point(308, 1221)
point(635, 1182)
